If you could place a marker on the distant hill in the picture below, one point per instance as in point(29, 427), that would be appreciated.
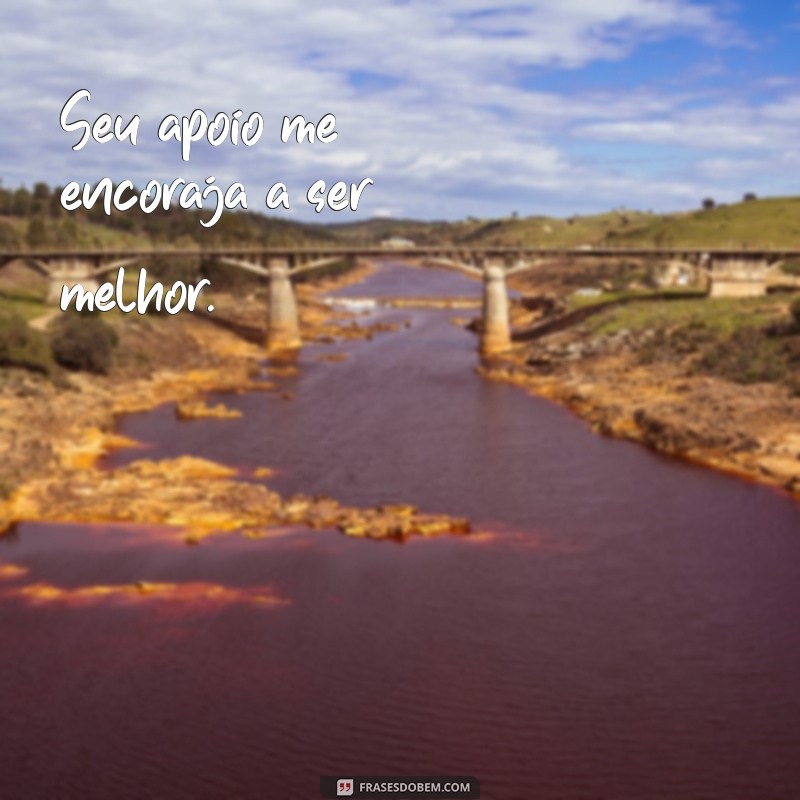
point(554, 232)
point(34, 219)
point(531, 231)
point(377, 230)
point(770, 223)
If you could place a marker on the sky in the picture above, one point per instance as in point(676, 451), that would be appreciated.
point(454, 108)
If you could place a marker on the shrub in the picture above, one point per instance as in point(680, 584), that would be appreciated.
point(791, 267)
point(677, 344)
point(795, 311)
point(36, 235)
point(83, 342)
point(747, 356)
point(9, 238)
point(20, 345)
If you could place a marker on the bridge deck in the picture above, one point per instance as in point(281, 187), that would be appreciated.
point(375, 251)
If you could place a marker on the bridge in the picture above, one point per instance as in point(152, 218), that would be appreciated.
point(730, 272)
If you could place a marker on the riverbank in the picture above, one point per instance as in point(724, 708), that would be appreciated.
point(652, 375)
point(57, 429)
point(66, 420)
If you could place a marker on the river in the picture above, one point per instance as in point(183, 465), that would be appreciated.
point(623, 626)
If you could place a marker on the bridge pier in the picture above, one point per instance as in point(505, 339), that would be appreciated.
point(283, 324)
point(738, 276)
point(496, 328)
point(69, 272)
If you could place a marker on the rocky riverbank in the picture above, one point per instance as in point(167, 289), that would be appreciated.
point(195, 498)
point(56, 430)
point(624, 386)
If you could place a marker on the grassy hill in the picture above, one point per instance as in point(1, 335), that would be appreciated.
point(771, 223)
point(553, 232)
point(376, 230)
point(527, 231)
point(35, 219)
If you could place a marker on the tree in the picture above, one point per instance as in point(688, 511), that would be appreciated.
point(795, 311)
point(36, 235)
point(67, 233)
point(179, 268)
point(55, 207)
point(41, 198)
point(82, 342)
point(22, 202)
point(21, 345)
point(9, 238)
point(709, 203)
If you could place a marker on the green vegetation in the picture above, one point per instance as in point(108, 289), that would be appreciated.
point(768, 223)
point(745, 340)
point(75, 341)
point(791, 268)
point(35, 219)
point(20, 345)
point(377, 230)
point(537, 231)
point(573, 232)
point(82, 342)
point(22, 304)
point(750, 356)
point(576, 301)
point(795, 312)
point(724, 315)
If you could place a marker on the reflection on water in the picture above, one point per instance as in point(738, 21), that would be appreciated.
point(622, 625)
point(47, 593)
point(12, 571)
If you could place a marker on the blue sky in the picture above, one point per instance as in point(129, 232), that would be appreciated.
point(453, 107)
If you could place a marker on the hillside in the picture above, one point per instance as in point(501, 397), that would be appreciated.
point(770, 223)
point(538, 231)
point(543, 231)
point(34, 219)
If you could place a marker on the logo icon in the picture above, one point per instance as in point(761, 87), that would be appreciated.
point(344, 787)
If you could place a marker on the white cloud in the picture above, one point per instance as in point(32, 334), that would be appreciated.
point(441, 123)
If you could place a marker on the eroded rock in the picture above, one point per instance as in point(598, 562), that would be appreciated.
point(200, 498)
point(189, 410)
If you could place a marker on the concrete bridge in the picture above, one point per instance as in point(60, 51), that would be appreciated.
point(730, 273)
